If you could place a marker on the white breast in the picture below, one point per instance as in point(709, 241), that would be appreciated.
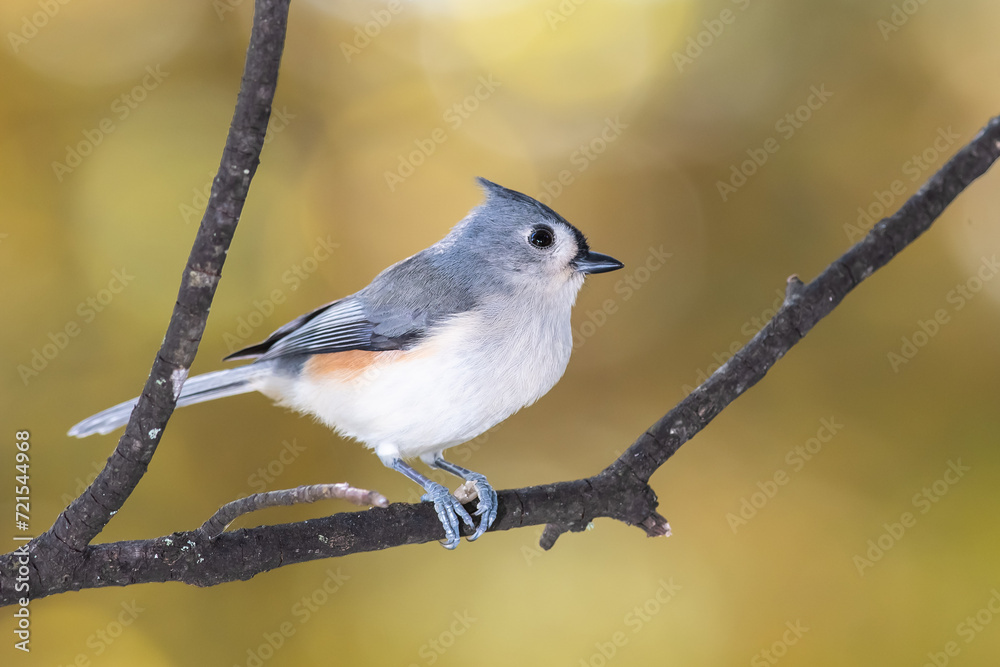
point(478, 369)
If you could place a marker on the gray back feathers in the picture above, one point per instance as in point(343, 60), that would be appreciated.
point(475, 262)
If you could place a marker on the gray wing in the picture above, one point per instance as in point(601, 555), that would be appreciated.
point(394, 312)
point(336, 327)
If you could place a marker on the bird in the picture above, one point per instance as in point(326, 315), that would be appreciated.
point(436, 350)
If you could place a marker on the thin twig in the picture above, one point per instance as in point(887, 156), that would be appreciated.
point(300, 494)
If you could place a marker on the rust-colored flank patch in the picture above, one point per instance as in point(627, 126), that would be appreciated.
point(346, 365)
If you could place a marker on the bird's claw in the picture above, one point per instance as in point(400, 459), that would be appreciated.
point(449, 510)
point(487, 507)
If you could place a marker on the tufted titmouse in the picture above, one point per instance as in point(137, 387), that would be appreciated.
point(435, 351)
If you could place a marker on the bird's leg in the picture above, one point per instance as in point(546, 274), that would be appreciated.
point(449, 509)
point(487, 496)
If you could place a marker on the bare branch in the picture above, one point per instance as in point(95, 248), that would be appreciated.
point(300, 494)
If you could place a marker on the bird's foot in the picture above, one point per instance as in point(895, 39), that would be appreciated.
point(449, 510)
point(487, 507)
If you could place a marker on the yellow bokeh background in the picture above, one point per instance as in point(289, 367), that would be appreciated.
point(625, 116)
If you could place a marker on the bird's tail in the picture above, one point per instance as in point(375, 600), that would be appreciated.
point(198, 389)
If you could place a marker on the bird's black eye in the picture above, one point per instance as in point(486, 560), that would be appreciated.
point(541, 237)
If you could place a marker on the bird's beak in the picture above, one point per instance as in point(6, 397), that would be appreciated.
point(595, 262)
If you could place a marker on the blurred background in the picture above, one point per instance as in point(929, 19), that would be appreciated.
point(841, 512)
